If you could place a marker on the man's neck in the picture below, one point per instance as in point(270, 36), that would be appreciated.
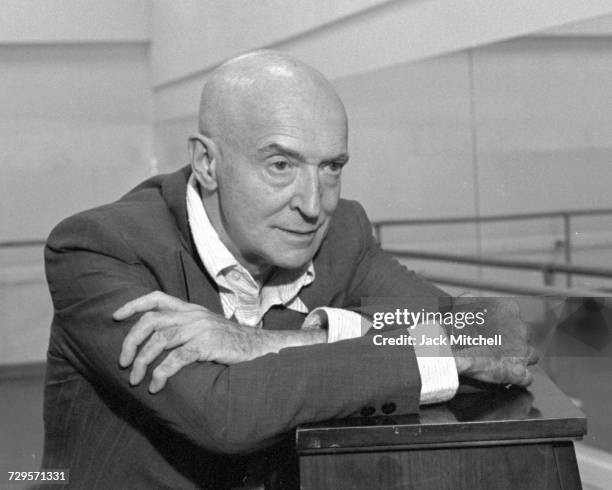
point(260, 272)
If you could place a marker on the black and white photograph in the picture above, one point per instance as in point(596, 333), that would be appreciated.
point(305, 244)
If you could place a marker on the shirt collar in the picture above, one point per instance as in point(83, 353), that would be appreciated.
point(214, 254)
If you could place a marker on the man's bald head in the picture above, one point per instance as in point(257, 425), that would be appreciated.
point(243, 90)
point(268, 159)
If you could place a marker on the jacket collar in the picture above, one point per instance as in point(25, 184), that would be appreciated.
point(199, 286)
point(174, 190)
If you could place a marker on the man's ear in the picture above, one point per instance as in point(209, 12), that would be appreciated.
point(203, 157)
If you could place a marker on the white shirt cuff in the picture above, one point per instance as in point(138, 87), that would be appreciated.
point(439, 378)
point(342, 324)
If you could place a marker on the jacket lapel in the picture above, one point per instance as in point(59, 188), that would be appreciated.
point(174, 192)
point(198, 288)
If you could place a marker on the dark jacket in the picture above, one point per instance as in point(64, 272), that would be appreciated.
point(213, 426)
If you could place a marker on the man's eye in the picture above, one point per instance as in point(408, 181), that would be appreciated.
point(281, 171)
point(280, 165)
point(333, 168)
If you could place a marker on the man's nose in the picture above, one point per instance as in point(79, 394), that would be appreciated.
point(307, 196)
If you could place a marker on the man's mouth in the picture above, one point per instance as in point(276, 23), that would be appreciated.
point(301, 232)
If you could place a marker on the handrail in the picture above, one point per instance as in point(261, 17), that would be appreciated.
point(566, 215)
point(13, 276)
point(547, 267)
point(501, 287)
point(492, 217)
point(34, 242)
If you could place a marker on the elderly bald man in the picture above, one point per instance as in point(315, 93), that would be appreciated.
point(233, 288)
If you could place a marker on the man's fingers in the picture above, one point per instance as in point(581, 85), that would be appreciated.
point(513, 371)
point(315, 319)
point(519, 375)
point(501, 371)
point(532, 355)
point(152, 301)
point(156, 344)
point(172, 364)
point(139, 333)
point(140, 305)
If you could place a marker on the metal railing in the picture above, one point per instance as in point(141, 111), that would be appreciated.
point(547, 268)
point(11, 276)
point(34, 242)
point(508, 288)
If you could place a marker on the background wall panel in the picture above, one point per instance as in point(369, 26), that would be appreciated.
point(75, 132)
point(61, 21)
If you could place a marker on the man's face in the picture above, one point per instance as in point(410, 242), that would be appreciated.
point(279, 183)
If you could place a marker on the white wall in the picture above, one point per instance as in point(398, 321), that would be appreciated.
point(62, 21)
point(341, 38)
point(75, 132)
point(542, 115)
point(191, 36)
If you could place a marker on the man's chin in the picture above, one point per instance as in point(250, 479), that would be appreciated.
point(293, 260)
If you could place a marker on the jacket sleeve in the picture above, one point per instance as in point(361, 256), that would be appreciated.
point(226, 409)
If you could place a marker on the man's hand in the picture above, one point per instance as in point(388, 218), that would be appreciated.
point(502, 364)
point(192, 331)
point(194, 334)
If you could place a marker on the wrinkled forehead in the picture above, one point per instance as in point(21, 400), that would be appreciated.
point(310, 117)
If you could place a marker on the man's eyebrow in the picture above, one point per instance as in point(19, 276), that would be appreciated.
point(276, 148)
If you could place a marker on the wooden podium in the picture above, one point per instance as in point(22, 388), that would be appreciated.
point(503, 439)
